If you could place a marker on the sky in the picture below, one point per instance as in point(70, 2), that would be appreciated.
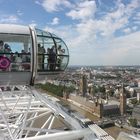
point(97, 32)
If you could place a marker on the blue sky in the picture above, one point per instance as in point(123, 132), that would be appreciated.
point(97, 32)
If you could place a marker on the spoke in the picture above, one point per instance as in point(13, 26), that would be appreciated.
point(25, 117)
point(3, 101)
point(5, 120)
point(39, 116)
point(47, 121)
point(51, 123)
point(16, 103)
point(32, 122)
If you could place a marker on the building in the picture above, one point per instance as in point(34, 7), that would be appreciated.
point(138, 97)
point(91, 90)
point(122, 100)
point(111, 110)
point(136, 112)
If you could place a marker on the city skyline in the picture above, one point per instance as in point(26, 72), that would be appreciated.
point(97, 32)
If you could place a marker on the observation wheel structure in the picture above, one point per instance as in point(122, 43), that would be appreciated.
point(27, 55)
point(26, 114)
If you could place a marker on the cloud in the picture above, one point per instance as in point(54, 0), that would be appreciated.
point(85, 49)
point(134, 4)
point(55, 21)
point(134, 28)
point(37, 2)
point(68, 33)
point(83, 10)
point(55, 5)
point(93, 40)
point(127, 30)
point(136, 18)
point(19, 13)
point(106, 25)
point(128, 40)
point(123, 50)
point(33, 25)
point(9, 19)
point(49, 29)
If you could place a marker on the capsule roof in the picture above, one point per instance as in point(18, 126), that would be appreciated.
point(15, 29)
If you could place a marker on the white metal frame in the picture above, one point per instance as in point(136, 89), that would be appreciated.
point(21, 108)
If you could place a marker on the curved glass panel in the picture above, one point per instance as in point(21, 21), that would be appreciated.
point(62, 54)
point(42, 33)
point(15, 52)
point(52, 52)
point(45, 44)
point(61, 46)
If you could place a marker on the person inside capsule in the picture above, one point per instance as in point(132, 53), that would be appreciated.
point(4, 47)
point(5, 57)
point(60, 53)
point(41, 57)
point(51, 59)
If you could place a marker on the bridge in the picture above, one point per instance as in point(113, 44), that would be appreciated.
point(105, 123)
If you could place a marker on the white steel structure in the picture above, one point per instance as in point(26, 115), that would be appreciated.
point(28, 114)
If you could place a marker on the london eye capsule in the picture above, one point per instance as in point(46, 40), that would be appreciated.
point(27, 52)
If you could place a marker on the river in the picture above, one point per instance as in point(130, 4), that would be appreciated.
point(112, 130)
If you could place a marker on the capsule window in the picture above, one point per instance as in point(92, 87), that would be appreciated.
point(45, 45)
point(62, 54)
point(15, 52)
point(52, 52)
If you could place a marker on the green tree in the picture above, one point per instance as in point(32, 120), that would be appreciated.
point(134, 101)
point(133, 122)
point(56, 89)
point(111, 92)
point(102, 89)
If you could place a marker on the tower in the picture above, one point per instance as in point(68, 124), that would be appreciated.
point(83, 85)
point(99, 108)
point(122, 101)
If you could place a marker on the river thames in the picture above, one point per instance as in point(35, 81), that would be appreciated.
point(112, 130)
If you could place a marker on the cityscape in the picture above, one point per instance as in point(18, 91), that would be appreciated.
point(110, 93)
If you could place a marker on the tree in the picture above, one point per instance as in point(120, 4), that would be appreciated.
point(102, 89)
point(133, 122)
point(134, 101)
point(111, 92)
point(55, 89)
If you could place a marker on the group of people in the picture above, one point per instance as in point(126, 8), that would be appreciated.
point(21, 61)
point(7, 57)
point(4, 48)
point(54, 57)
